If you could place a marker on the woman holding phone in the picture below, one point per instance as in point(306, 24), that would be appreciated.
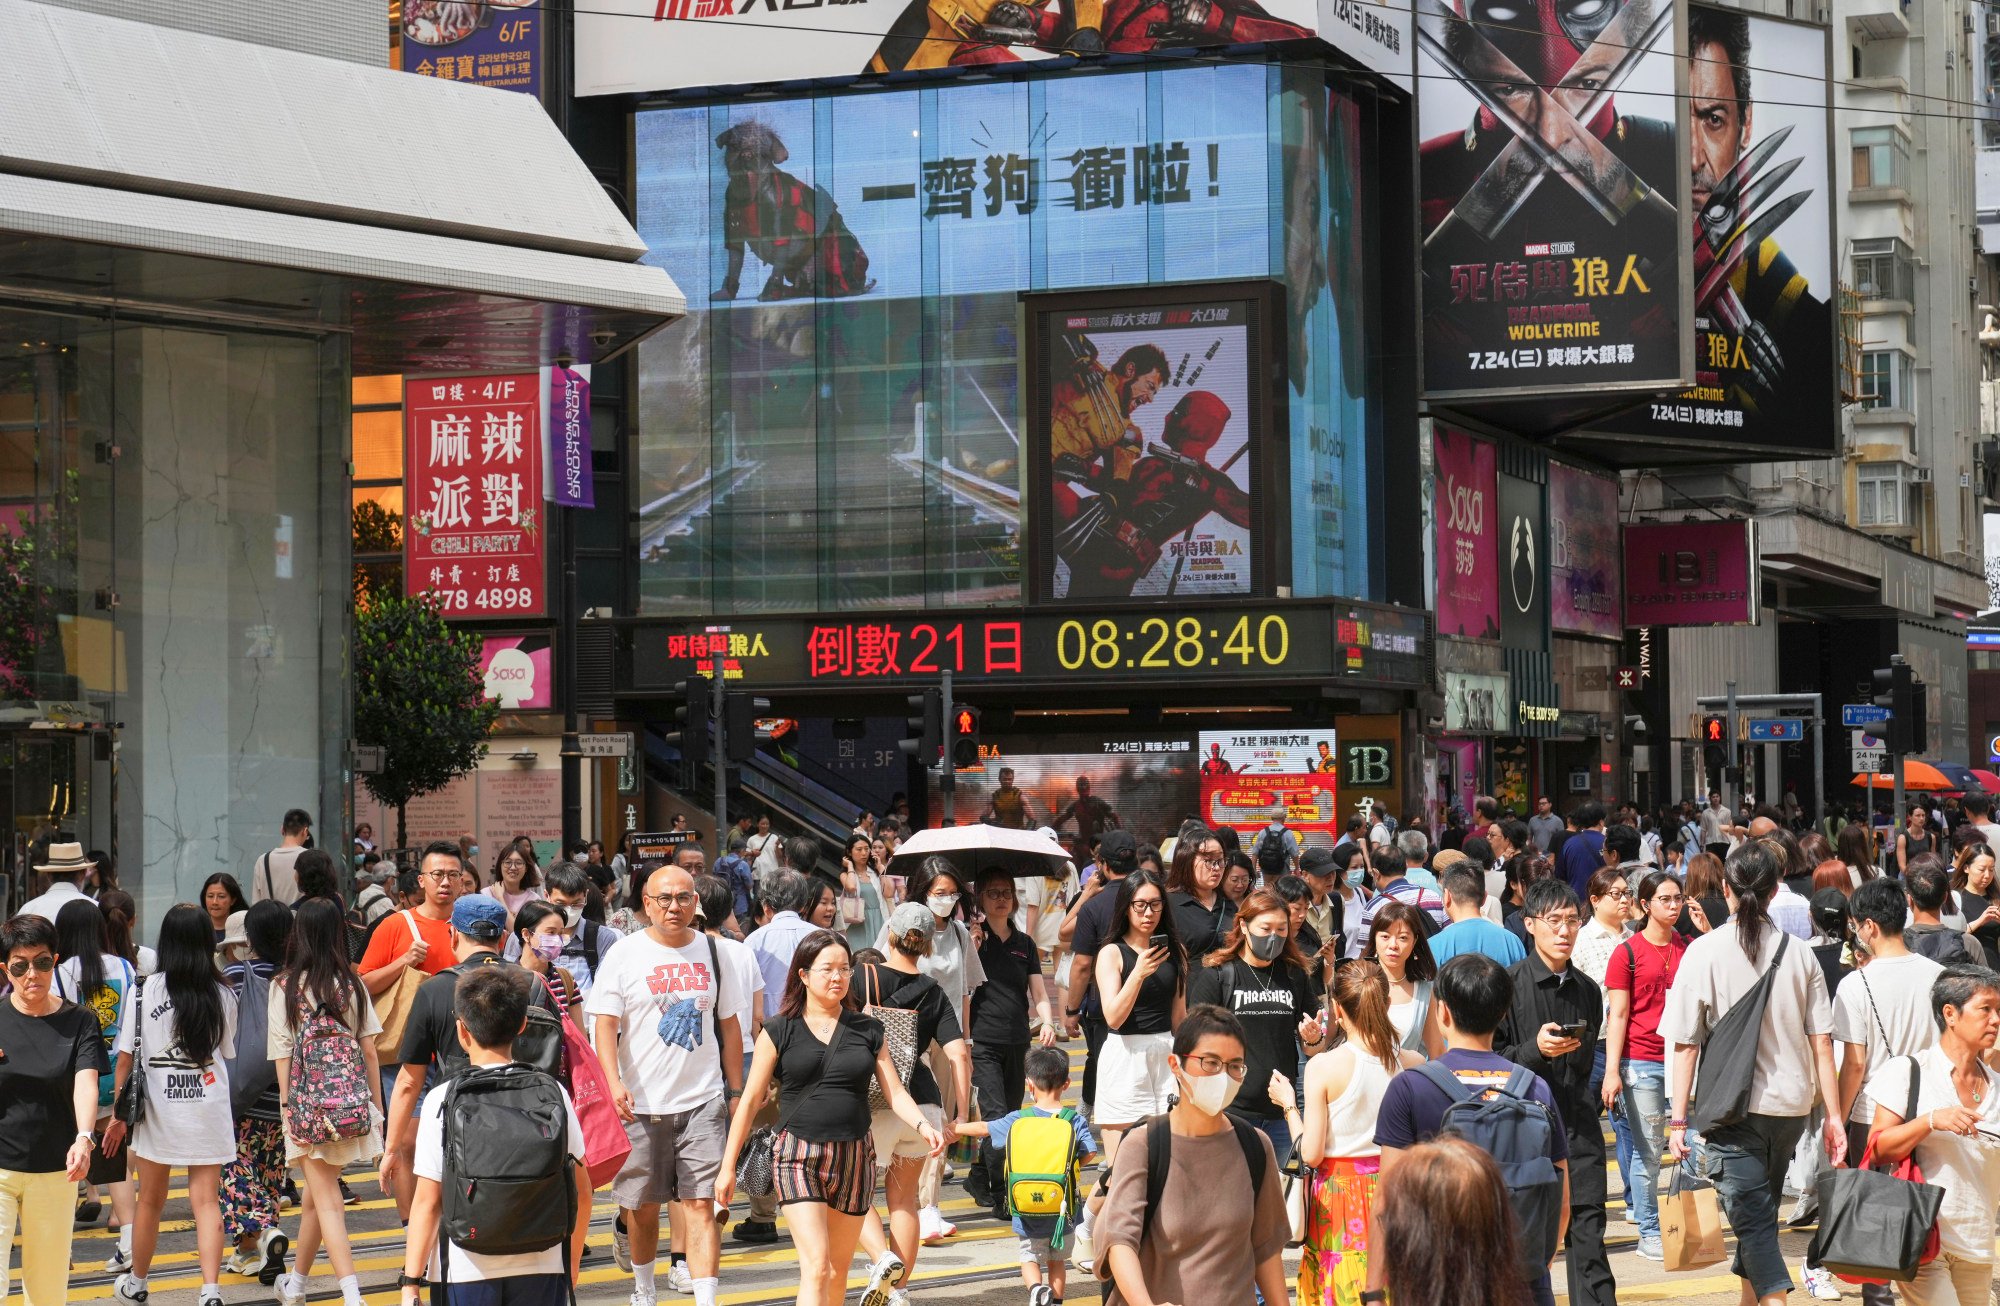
point(1142, 979)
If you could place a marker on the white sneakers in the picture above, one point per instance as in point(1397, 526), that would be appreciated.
point(126, 1290)
point(678, 1277)
point(882, 1280)
point(290, 1290)
point(932, 1227)
point(1820, 1283)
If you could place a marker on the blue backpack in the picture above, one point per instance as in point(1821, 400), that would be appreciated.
point(1518, 1133)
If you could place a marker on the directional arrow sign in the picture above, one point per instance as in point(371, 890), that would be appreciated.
point(1862, 714)
point(1766, 730)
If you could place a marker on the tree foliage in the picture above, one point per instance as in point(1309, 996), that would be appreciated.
point(418, 694)
point(377, 530)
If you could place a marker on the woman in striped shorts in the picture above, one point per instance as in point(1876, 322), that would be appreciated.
point(821, 1052)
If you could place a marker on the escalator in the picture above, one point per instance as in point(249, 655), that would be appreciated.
point(799, 795)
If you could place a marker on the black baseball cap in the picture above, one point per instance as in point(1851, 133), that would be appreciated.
point(1316, 861)
point(1119, 851)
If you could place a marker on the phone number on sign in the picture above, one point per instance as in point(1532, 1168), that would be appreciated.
point(500, 598)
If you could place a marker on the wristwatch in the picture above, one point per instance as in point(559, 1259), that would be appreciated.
point(412, 1281)
point(1374, 1295)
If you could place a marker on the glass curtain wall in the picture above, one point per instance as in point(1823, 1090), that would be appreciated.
point(167, 579)
point(837, 422)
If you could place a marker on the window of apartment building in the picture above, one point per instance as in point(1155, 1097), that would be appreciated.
point(1884, 269)
point(1880, 494)
point(1885, 379)
point(1880, 157)
point(378, 486)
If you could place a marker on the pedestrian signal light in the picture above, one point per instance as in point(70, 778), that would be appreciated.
point(964, 737)
point(1714, 729)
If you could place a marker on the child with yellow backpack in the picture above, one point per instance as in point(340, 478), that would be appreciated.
point(1047, 1146)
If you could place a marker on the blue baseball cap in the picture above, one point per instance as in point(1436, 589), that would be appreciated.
point(477, 916)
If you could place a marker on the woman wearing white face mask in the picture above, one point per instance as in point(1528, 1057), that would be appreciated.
point(954, 963)
point(1217, 1234)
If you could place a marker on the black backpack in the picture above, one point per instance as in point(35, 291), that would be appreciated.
point(1159, 1154)
point(509, 1184)
point(1518, 1133)
point(1271, 859)
point(1945, 947)
point(539, 1045)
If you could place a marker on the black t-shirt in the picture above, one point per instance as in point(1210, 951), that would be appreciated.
point(1202, 929)
point(38, 1083)
point(1000, 1005)
point(826, 1088)
point(1153, 1010)
point(1270, 1003)
point(937, 1022)
point(432, 1031)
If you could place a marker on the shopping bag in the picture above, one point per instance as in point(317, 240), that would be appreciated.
point(1298, 1192)
point(1877, 1227)
point(1690, 1221)
point(605, 1144)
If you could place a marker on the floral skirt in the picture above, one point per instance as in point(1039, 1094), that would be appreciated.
point(1333, 1266)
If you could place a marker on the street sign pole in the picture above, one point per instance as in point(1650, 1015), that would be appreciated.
point(1731, 757)
point(719, 754)
point(1895, 774)
point(947, 773)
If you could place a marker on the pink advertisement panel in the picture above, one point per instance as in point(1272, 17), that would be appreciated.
point(1690, 574)
point(1586, 590)
point(1468, 554)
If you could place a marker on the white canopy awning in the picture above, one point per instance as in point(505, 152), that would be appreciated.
point(121, 134)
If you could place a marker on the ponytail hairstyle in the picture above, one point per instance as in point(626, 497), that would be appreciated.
point(119, 913)
point(1751, 873)
point(1361, 991)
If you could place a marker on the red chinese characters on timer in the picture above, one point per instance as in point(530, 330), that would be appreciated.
point(472, 457)
point(869, 650)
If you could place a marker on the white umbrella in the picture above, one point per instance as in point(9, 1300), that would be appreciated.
point(974, 848)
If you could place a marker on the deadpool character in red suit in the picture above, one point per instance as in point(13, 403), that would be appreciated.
point(1113, 538)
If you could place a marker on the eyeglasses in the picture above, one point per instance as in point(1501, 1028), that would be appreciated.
point(439, 876)
point(43, 963)
point(1668, 899)
point(1209, 1065)
point(675, 899)
point(1209, 859)
point(832, 972)
point(1150, 906)
point(1561, 924)
point(1622, 895)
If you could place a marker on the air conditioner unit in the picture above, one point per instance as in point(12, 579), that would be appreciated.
point(1921, 475)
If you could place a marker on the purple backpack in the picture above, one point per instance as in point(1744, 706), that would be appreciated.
point(331, 1098)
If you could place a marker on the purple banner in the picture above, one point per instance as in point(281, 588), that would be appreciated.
point(1586, 590)
point(569, 439)
point(498, 43)
point(1690, 574)
point(1468, 562)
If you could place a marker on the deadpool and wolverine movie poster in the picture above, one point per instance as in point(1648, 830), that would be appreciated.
point(1152, 436)
point(1550, 172)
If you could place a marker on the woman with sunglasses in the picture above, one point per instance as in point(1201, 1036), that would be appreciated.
point(48, 1107)
point(180, 1036)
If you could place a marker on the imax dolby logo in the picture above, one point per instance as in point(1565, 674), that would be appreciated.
point(1521, 564)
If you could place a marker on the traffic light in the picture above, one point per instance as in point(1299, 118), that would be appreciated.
point(1897, 688)
point(964, 737)
point(739, 724)
point(926, 727)
point(1715, 729)
point(692, 726)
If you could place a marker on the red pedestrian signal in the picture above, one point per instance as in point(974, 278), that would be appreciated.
point(967, 724)
point(1714, 730)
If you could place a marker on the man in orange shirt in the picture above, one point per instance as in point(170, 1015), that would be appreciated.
point(421, 938)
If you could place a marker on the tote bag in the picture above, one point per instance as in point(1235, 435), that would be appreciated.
point(392, 1005)
point(1876, 1227)
point(899, 1034)
point(605, 1144)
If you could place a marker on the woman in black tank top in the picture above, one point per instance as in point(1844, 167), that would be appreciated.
point(1142, 982)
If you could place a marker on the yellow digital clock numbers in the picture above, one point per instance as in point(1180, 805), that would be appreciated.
point(1154, 643)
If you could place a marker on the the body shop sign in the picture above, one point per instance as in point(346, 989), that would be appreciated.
point(1468, 572)
point(1691, 574)
point(473, 463)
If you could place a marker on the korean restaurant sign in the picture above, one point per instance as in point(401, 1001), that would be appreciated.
point(473, 494)
point(497, 43)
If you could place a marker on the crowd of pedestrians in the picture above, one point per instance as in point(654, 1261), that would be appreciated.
point(1435, 1037)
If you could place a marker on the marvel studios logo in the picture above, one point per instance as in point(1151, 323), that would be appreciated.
point(1544, 251)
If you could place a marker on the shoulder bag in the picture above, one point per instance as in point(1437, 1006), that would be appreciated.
point(1876, 1227)
point(392, 1005)
point(1729, 1054)
point(899, 1031)
point(131, 1104)
point(605, 1143)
